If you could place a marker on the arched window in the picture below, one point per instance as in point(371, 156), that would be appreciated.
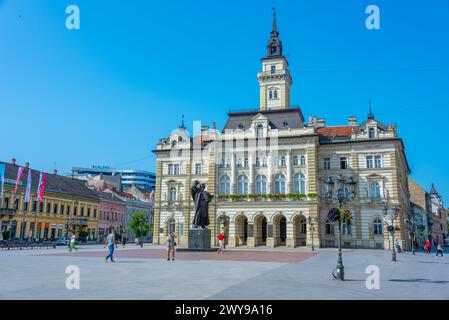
point(371, 133)
point(261, 184)
point(172, 194)
point(174, 143)
point(295, 161)
point(279, 184)
point(329, 227)
point(303, 160)
point(378, 227)
point(171, 225)
point(282, 161)
point(303, 226)
point(300, 183)
point(225, 185)
point(242, 185)
point(260, 131)
point(375, 189)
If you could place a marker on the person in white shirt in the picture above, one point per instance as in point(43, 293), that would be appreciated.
point(110, 241)
point(72, 243)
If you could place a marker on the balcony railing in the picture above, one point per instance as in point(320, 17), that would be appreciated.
point(268, 197)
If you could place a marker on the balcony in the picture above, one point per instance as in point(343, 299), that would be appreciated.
point(291, 197)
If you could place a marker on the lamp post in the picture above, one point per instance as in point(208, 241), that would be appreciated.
point(390, 216)
point(310, 222)
point(344, 192)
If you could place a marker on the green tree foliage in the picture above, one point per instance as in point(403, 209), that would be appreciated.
point(139, 224)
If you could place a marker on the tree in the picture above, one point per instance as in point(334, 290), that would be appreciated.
point(139, 225)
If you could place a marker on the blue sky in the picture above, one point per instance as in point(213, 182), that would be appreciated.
point(106, 93)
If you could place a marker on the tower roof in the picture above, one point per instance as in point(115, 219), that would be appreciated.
point(274, 45)
point(433, 190)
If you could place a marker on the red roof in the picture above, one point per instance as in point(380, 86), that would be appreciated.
point(340, 131)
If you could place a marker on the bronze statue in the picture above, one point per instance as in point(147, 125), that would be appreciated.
point(202, 199)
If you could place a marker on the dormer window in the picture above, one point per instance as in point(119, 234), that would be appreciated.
point(371, 133)
point(285, 124)
point(259, 131)
point(241, 126)
point(174, 143)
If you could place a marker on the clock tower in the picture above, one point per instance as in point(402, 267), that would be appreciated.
point(274, 79)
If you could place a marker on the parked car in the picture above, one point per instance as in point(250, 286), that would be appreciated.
point(62, 241)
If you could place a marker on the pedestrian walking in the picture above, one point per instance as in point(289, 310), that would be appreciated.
point(72, 243)
point(221, 238)
point(171, 244)
point(110, 242)
point(427, 246)
point(439, 250)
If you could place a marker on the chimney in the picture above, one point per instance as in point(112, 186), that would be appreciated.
point(55, 171)
point(13, 161)
point(27, 165)
point(352, 121)
point(320, 123)
point(213, 125)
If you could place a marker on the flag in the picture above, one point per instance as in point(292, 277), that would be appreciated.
point(2, 179)
point(28, 190)
point(41, 186)
point(19, 176)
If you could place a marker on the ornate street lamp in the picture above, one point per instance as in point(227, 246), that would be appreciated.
point(391, 216)
point(345, 191)
point(310, 222)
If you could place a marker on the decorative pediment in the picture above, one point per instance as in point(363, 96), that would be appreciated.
point(259, 118)
point(374, 176)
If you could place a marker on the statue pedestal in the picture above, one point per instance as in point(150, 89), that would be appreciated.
point(199, 240)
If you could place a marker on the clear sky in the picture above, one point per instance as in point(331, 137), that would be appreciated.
point(106, 93)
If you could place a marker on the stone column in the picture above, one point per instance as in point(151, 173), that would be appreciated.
point(289, 188)
point(233, 174)
point(251, 241)
point(270, 173)
point(290, 242)
point(232, 242)
point(271, 235)
point(251, 188)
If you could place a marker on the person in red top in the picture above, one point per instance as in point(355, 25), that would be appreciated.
point(428, 246)
point(220, 242)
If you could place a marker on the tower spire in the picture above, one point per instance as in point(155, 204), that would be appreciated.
point(274, 30)
point(274, 46)
point(370, 111)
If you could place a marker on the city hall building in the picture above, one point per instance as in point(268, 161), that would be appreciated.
point(269, 170)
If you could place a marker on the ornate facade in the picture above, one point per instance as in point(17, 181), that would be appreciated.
point(267, 168)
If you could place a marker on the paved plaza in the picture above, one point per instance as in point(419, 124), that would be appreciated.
point(144, 273)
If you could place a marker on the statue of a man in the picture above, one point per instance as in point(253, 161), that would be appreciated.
point(202, 199)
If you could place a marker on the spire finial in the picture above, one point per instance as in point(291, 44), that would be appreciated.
point(182, 123)
point(274, 29)
point(370, 112)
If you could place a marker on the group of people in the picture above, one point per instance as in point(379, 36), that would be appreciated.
point(171, 244)
point(428, 248)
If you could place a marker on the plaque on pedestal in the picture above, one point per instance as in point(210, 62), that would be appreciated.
point(199, 240)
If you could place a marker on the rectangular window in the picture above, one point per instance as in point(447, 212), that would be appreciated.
point(377, 162)
point(95, 213)
point(343, 163)
point(82, 211)
point(369, 162)
point(68, 210)
point(198, 168)
point(48, 207)
point(41, 207)
point(75, 211)
point(34, 206)
point(170, 169)
point(55, 209)
point(25, 206)
point(62, 209)
point(327, 163)
point(246, 163)
point(88, 212)
point(273, 69)
point(176, 169)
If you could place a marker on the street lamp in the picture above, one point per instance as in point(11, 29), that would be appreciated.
point(345, 192)
point(310, 221)
point(390, 216)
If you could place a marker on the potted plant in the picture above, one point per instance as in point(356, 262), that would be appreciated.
point(312, 195)
point(251, 197)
